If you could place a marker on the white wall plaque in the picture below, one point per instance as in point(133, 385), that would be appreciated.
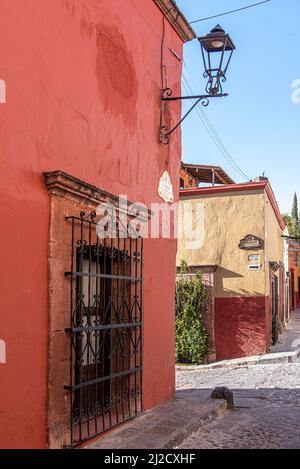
point(2, 92)
point(254, 258)
point(165, 188)
point(2, 351)
point(254, 267)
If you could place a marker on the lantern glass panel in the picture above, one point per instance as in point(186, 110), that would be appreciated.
point(217, 48)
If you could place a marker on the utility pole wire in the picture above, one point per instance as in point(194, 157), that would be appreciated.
point(212, 132)
point(229, 12)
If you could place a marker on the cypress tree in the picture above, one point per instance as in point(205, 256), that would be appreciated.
point(295, 216)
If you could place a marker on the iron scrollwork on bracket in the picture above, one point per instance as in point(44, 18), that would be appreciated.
point(166, 96)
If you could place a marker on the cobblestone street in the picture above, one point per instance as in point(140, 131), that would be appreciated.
point(267, 400)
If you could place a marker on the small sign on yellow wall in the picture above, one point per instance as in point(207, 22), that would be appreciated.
point(255, 258)
point(254, 267)
point(251, 242)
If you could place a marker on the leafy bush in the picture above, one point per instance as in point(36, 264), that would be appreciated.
point(191, 336)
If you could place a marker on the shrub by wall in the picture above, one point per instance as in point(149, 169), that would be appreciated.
point(191, 336)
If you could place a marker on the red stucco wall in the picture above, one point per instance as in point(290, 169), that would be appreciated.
point(83, 87)
point(268, 312)
point(240, 327)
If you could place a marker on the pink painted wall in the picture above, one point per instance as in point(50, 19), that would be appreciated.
point(83, 88)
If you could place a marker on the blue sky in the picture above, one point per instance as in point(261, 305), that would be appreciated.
point(258, 123)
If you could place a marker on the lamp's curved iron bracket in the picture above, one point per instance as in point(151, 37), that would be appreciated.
point(166, 95)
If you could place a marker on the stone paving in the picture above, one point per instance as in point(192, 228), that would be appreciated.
point(267, 413)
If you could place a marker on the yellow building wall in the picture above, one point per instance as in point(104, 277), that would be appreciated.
point(274, 251)
point(227, 218)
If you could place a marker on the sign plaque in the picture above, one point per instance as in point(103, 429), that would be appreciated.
point(165, 188)
point(251, 243)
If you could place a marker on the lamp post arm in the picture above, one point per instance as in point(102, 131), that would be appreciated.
point(206, 96)
point(204, 99)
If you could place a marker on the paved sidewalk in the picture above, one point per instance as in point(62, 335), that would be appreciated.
point(287, 350)
point(289, 341)
point(165, 426)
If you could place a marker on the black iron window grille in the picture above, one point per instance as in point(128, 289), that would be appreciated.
point(105, 327)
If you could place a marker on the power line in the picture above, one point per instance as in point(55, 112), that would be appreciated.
point(217, 140)
point(229, 12)
point(204, 118)
point(213, 133)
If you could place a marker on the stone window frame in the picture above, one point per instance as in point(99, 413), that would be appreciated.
point(68, 195)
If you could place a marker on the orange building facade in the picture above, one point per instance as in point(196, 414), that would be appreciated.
point(294, 272)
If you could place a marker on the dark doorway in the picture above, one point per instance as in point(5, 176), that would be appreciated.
point(275, 296)
point(293, 289)
point(274, 307)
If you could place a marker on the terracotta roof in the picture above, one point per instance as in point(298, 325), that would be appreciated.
point(206, 173)
point(249, 186)
point(177, 19)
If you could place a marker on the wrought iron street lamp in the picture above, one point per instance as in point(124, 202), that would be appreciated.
point(217, 48)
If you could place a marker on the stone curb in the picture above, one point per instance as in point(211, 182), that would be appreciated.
point(267, 359)
point(185, 432)
point(166, 426)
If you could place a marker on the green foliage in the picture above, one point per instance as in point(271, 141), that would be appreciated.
point(191, 337)
point(290, 224)
point(276, 327)
point(295, 215)
point(184, 267)
point(292, 220)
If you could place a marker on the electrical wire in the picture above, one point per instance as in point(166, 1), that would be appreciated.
point(217, 140)
point(229, 12)
point(202, 115)
point(162, 54)
point(213, 133)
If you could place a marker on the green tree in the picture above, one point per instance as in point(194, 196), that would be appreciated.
point(295, 217)
point(295, 214)
point(289, 222)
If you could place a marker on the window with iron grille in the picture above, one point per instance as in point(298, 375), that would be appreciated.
point(105, 327)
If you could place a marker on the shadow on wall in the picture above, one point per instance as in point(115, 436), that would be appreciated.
point(223, 274)
point(242, 293)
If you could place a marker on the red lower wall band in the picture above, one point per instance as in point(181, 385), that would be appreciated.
point(243, 326)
